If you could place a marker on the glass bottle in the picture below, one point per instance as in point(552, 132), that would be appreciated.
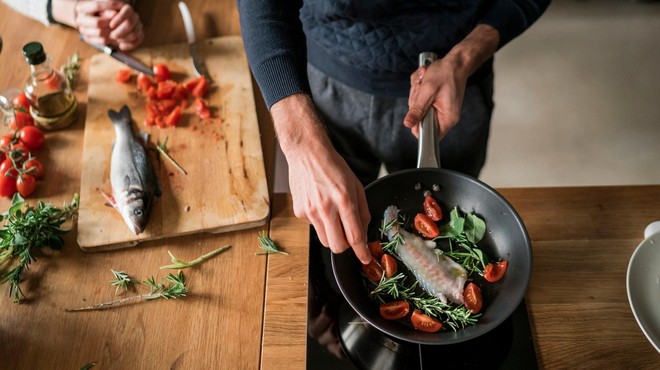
point(52, 103)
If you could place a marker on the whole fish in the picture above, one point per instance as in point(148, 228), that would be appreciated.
point(438, 275)
point(132, 177)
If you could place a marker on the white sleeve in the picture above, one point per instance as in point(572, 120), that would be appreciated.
point(35, 9)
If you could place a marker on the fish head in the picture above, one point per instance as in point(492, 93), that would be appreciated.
point(135, 211)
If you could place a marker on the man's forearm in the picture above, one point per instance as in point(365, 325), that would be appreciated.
point(475, 49)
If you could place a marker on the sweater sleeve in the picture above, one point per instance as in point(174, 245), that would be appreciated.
point(511, 17)
point(35, 9)
point(275, 47)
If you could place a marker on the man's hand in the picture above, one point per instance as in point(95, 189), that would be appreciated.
point(442, 84)
point(325, 191)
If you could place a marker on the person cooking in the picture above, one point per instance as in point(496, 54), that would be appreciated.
point(111, 22)
point(341, 81)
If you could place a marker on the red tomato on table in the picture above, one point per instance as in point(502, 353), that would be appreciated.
point(161, 72)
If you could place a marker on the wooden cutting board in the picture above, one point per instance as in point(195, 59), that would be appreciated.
point(225, 188)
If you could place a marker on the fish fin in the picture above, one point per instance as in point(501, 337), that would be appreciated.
point(144, 139)
point(110, 201)
point(127, 182)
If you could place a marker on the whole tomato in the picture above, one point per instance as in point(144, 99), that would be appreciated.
point(25, 184)
point(7, 185)
point(33, 167)
point(161, 72)
point(32, 137)
point(21, 101)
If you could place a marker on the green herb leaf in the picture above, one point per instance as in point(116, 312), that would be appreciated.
point(88, 366)
point(475, 228)
point(455, 225)
point(122, 281)
point(28, 228)
point(267, 245)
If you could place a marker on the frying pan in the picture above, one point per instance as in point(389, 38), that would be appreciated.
point(505, 238)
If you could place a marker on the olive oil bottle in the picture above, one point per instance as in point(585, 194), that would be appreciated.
point(52, 103)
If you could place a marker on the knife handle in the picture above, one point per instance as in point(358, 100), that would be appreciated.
point(187, 22)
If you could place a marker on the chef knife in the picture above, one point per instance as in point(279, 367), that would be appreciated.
point(198, 63)
point(125, 58)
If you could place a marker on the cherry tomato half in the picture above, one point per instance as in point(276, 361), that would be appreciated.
point(144, 82)
point(472, 298)
point(376, 249)
point(432, 209)
point(373, 271)
point(389, 265)
point(202, 108)
point(494, 271)
point(394, 310)
point(123, 75)
point(174, 117)
point(426, 226)
point(162, 72)
point(32, 137)
point(201, 88)
point(25, 184)
point(424, 322)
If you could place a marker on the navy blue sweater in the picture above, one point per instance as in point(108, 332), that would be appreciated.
point(371, 45)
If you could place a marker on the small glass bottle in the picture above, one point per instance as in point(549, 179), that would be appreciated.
point(52, 103)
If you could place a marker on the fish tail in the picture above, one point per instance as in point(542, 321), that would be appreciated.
point(123, 117)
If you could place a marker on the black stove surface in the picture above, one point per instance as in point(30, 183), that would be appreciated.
point(338, 338)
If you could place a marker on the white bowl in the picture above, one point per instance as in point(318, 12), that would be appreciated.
point(643, 284)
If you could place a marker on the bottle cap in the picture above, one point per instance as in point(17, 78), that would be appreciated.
point(34, 53)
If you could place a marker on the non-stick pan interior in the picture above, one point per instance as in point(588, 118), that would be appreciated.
point(506, 238)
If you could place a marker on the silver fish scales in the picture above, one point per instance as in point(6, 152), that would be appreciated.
point(132, 177)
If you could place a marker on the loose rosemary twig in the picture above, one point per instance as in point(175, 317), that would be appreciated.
point(122, 281)
point(267, 245)
point(162, 149)
point(178, 264)
point(394, 287)
point(176, 289)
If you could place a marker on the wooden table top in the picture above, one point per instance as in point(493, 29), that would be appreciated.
point(246, 311)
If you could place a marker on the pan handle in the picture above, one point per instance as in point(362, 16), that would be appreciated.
point(428, 153)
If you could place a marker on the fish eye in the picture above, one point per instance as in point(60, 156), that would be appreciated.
point(138, 212)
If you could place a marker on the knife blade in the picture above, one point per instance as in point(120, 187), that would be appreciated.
point(198, 63)
point(125, 58)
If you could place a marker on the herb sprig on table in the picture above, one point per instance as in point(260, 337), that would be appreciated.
point(176, 289)
point(26, 229)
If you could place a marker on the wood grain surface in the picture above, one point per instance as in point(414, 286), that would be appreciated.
point(225, 186)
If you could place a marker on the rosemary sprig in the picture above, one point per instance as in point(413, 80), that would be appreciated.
point(267, 245)
point(26, 229)
point(178, 264)
point(162, 149)
point(454, 316)
point(122, 281)
point(71, 68)
point(176, 289)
